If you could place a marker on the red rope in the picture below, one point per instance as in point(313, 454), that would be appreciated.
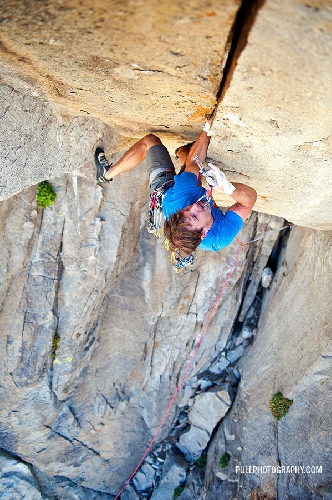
point(168, 409)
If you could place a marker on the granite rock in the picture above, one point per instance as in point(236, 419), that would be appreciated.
point(17, 481)
point(292, 355)
point(175, 476)
point(208, 409)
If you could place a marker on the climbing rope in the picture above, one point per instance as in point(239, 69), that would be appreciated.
point(200, 338)
point(168, 409)
point(289, 225)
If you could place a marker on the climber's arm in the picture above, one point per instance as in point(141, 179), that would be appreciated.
point(243, 194)
point(245, 197)
point(199, 149)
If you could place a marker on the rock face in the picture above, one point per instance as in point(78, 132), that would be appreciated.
point(272, 129)
point(73, 75)
point(291, 354)
point(44, 144)
point(137, 65)
point(76, 417)
point(166, 489)
point(274, 122)
point(16, 480)
point(207, 411)
point(122, 346)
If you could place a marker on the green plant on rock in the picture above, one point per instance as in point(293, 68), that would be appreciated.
point(201, 461)
point(178, 490)
point(224, 459)
point(55, 343)
point(45, 194)
point(279, 405)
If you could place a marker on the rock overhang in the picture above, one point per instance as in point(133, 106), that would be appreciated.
point(122, 71)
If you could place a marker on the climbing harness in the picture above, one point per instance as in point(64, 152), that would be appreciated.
point(155, 223)
point(155, 209)
point(180, 263)
point(199, 340)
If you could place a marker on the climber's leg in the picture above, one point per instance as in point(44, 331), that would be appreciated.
point(159, 166)
point(135, 155)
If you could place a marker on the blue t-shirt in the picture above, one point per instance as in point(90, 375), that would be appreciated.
point(185, 192)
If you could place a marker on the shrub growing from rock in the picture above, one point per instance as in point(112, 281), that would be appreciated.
point(224, 459)
point(178, 490)
point(45, 194)
point(201, 461)
point(279, 405)
point(55, 343)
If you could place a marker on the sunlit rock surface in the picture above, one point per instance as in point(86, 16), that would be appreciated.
point(75, 422)
point(157, 67)
point(273, 129)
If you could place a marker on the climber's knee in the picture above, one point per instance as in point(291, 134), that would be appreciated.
point(151, 140)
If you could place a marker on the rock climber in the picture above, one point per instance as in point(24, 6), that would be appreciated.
point(191, 218)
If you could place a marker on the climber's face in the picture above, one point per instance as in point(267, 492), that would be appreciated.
point(198, 215)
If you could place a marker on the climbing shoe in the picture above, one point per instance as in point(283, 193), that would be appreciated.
point(102, 165)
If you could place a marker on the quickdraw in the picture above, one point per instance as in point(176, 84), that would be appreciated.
point(203, 171)
point(179, 263)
